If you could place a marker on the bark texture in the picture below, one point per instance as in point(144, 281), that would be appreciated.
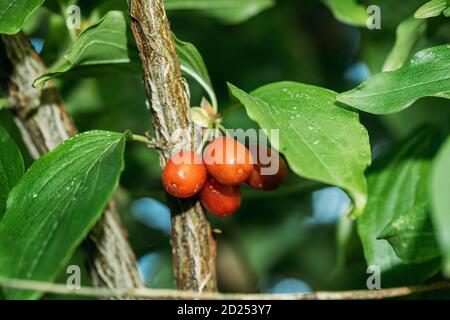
point(194, 248)
point(44, 124)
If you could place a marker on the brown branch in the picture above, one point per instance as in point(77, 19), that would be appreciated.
point(194, 248)
point(145, 293)
point(44, 124)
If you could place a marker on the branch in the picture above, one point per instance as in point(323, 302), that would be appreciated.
point(144, 293)
point(193, 246)
point(44, 124)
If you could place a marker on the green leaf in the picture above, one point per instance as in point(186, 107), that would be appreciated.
point(348, 11)
point(105, 43)
point(200, 117)
point(411, 235)
point(396, 209)
point(192, 64)
point(53, 207)
point(408, 33)
point(320, 140)
point(11, 167)
point(58, 6)
point(14, 13)
point(440, 201)
point(431, 9)
point(426, 75)
point(96, 11)
point(228, 11)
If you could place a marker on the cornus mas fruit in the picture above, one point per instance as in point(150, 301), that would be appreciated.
point(228, 161)
point(184, 175)
point(269, 169)
point(219, 199)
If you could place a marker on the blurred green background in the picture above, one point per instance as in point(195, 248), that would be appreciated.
point(286, 241)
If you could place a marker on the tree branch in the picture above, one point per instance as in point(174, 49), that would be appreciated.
point(194, 248)
point(44, 124)
point(145, 293)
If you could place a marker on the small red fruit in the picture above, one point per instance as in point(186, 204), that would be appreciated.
point(269, 170)
point(184, 175)
point(228, 161)
point(219, 199)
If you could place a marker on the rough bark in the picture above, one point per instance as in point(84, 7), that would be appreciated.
point(193, 246)
point(44, 124)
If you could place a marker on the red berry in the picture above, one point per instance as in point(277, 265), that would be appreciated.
point(184, 175)
point(269, 170)
point(228, 161)
point(219, 199)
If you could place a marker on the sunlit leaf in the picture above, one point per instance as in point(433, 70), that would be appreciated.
point(397, 188)
point(407, 35)
point(11, 167)
point(192, 65)
point(105, 43)
point(348, 11)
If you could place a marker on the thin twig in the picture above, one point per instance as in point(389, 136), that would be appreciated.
point(145, 293)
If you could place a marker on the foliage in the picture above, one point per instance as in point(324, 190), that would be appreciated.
point(109, 42)
point(104, 43)
point(55, 204)
point(384, 87)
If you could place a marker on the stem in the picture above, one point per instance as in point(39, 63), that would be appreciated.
point(193, 245)
point(44, 124)
point(144, 293)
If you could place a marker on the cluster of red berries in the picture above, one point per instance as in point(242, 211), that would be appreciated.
point(226, 163)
